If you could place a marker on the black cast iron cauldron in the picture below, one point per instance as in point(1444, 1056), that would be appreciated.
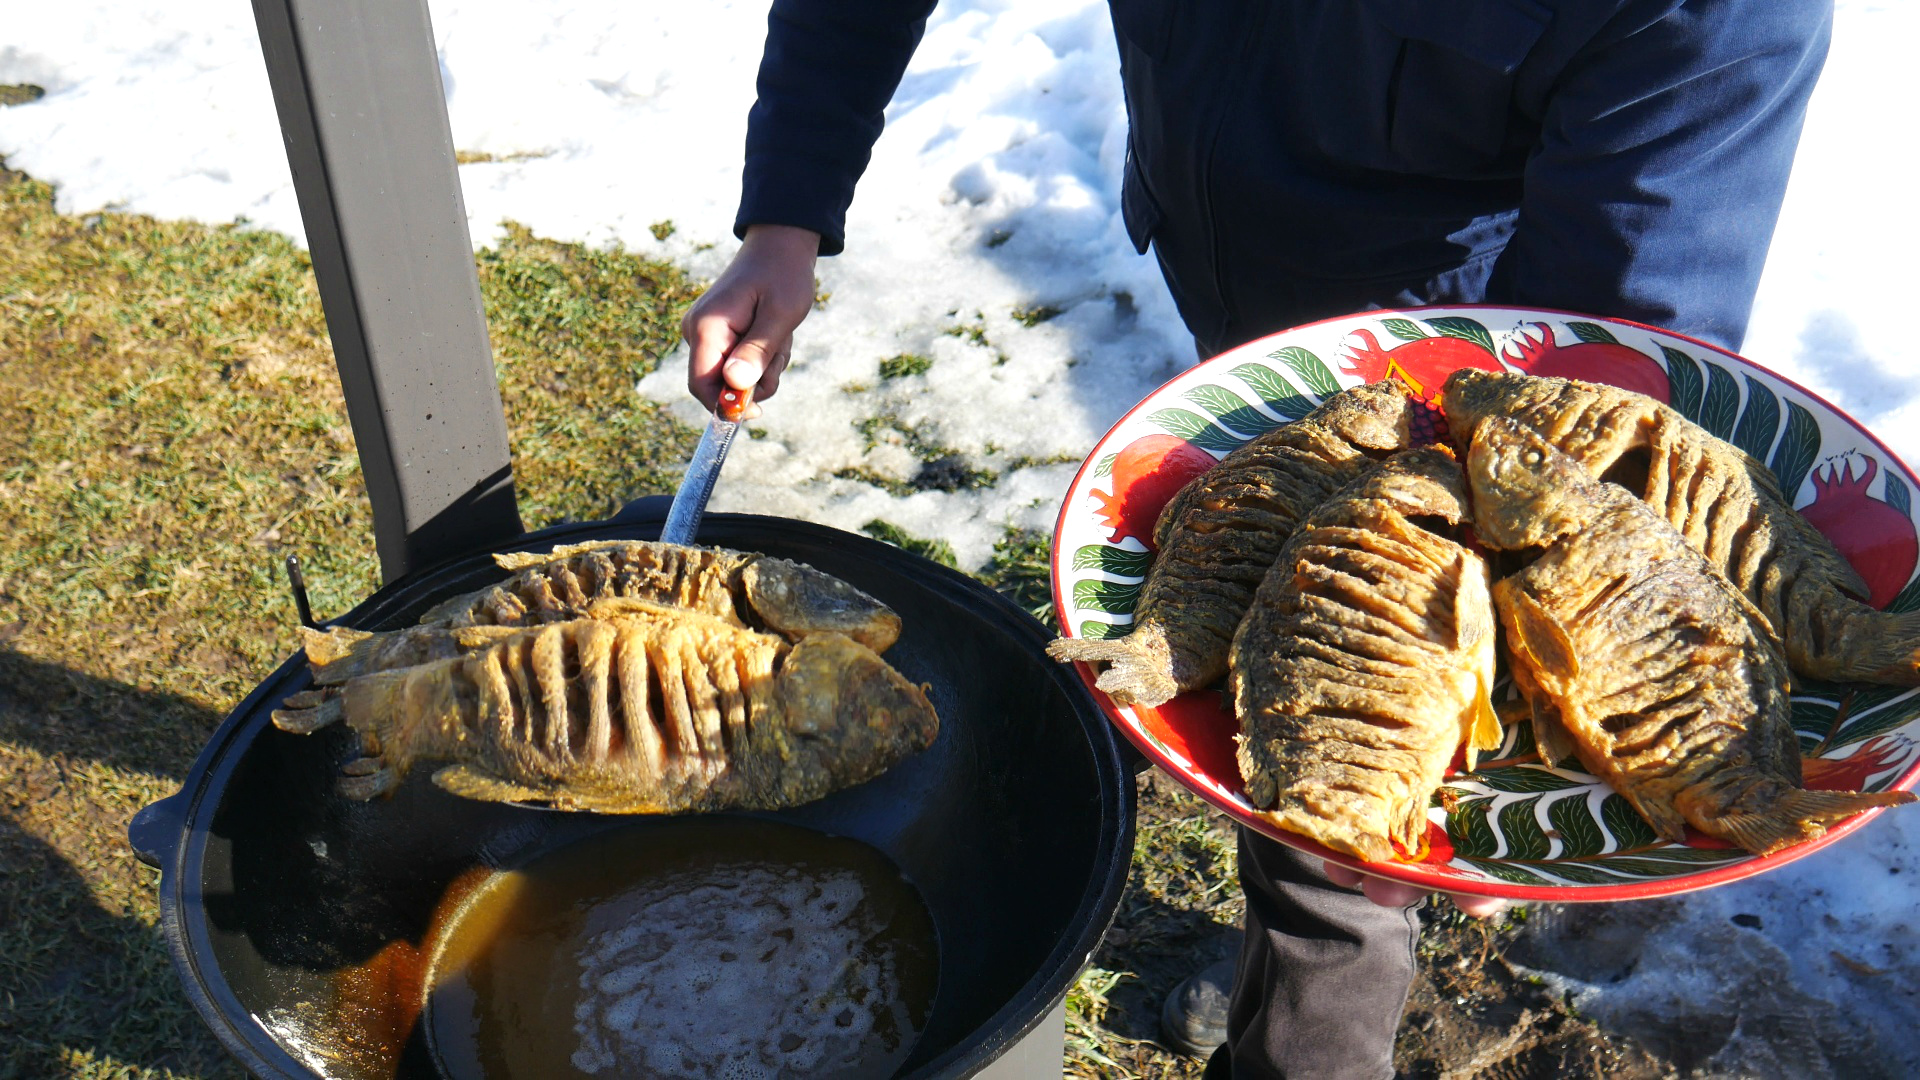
point(286, 907)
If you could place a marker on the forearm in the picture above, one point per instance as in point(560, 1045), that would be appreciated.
point(829, 69)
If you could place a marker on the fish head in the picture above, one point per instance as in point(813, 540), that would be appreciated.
point(794, 599)
point(1374, 416)
point(849, 715)
point(1471, 395)
point(1525, 492)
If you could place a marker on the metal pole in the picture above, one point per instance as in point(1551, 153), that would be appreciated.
point(357, 87)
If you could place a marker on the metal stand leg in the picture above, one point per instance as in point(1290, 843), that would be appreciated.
point(357, 87)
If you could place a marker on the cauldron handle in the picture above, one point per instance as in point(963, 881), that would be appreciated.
point(154, 833)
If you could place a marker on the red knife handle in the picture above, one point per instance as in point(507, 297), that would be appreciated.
point(733, 404)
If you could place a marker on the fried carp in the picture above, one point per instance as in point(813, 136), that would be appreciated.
point(1365, 660)
point(1218, 535)
point(638, 708)
point(1629, 644)
point(1728, 506)
point(748, 590)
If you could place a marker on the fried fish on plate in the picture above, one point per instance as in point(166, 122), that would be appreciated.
point(1728, 506)
point(1218, 535)
point(1629, 645)
point(638, 708)
point(1366, 660)
point(743, 588)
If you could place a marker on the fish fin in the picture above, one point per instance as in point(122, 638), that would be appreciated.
point(1483, 729)
point(1799, 815)
point(305, 715)
point(521, 560)
point(1551, 737)
point(1410, 838)
point(469, 782)
point(366, 778)
point(1666, 821)
point(479, 637)
point(612, 607)
point(1473, 619)
point(514, 561)
point(1540, 637)
point(327, 646)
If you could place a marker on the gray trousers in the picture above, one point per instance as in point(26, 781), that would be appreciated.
point(1323, 974)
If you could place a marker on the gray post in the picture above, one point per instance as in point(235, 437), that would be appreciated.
point(357, 87)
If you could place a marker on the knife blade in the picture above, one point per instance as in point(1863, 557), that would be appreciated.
point(690, 499)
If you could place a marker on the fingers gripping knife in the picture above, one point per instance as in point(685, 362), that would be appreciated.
point(690, 500)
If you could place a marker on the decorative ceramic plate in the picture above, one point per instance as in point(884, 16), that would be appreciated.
point(1517, 826)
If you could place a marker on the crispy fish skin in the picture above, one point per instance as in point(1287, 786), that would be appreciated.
point(745, 589)
point(1366, 659)
point(1218, 535)
point(1663, 675)
point(1728, 506)
point(641, 709)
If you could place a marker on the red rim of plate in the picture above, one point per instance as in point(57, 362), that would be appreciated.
point(1418, 873)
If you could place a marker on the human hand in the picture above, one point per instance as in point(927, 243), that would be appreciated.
point(1394, 894)
point(740, 332)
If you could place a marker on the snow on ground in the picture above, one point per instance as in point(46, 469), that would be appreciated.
point(993, 193)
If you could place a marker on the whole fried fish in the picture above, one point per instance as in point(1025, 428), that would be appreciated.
point(1627, 642)
point(745, 589)
point(1728, 506)
point(638, 708)
point(1365, 660)
point(1218, 535)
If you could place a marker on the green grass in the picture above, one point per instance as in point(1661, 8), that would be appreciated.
point(171, 428)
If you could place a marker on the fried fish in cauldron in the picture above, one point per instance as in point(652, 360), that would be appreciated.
point(637, 708)
point(1365, 660)
point(1218, 535)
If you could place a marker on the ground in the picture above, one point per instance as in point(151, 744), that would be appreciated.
point(171, 430)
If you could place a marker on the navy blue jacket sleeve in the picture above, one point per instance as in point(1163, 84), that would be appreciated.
point(829, 69)
point(1663, 156)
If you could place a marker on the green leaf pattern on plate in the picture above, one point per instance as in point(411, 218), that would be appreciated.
point(1313, 374)
point(1799, 448)
point(1516, 820)
point(1590, 333)
point(1232, 411)
point(1758, 421)
point(1404, 329)
point(1464, 329)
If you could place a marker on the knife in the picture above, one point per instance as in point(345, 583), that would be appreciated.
point(690, 500)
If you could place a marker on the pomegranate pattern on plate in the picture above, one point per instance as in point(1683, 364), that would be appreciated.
point(1517, 826)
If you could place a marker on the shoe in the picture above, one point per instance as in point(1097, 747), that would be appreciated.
point(1193, 1019)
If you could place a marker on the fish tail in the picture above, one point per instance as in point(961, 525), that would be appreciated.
point(1140, 665)
point(1800, 815)
point(325, 650)
point(308, 711)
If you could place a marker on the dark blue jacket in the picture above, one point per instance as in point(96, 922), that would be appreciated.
point(1292, 160)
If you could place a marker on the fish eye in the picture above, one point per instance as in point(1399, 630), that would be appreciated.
point(1533, 457)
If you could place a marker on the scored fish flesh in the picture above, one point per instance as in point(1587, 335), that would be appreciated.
point(1727, 505)
point(746, 589)
point(1629, 645)
point(1365, 660)
point(638, 708)
point(1220, 533)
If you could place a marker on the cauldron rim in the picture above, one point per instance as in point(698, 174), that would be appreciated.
point(173, 833)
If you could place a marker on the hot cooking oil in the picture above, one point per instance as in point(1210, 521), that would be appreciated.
point(718, 947)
